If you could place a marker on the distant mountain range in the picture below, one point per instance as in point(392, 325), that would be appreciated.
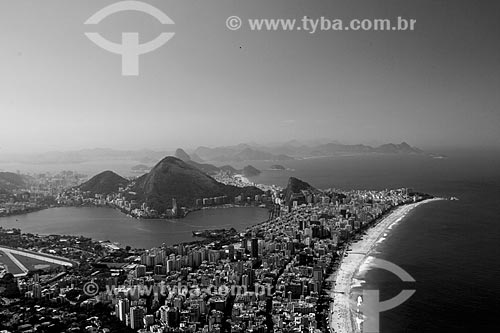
point(205, 167)
point(239, 153)
point(210, 169)
point(201, 155)
point(294, 149)
point(298, 150)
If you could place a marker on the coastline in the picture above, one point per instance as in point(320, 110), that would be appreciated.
point(34, 224)
point(342, 316)
point(127, 213)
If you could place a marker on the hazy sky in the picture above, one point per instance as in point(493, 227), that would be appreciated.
point(436, 86)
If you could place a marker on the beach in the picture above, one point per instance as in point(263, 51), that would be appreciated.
point(342, 316)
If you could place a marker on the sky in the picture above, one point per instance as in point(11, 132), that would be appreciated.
point(435, 86)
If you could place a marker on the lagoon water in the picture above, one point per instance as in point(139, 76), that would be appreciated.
point(449, 247)
point(111, 224)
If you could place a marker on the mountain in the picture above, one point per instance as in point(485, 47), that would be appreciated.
point(10, 181)
point(249, 154)
point(295, 149)
point(334, 148)
point(182, 155)
point(294, 189)
point(209, 169)
point(205, 167)
point(217, 154)
point(238, 153)
point(104, 183)
point(402, 148)
point(250, 171)
point(196, 158)
point(173, 178)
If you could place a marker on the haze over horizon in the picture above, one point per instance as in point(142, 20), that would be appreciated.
point(436, 86)
point(171, 150)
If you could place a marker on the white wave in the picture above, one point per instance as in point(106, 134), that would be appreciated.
point(357, 283)
point(365, 266)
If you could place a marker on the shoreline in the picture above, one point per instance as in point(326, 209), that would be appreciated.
point(342, 316)
point(124, 212)
point(122, 243)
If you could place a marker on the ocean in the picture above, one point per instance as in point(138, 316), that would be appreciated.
point(450, 248)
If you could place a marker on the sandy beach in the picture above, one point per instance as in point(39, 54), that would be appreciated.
point(342, 319)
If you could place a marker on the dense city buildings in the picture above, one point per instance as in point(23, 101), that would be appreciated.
point(31, 192)
point(269, 277)
point(125, 199)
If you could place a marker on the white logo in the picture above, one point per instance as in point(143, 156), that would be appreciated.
point(372, 306)
point(233, 23)
point(130, 49)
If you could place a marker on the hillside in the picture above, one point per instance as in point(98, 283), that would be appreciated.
point(209, 169)
point(250, 171)
point(104, 183)
point(402, 148)
point(174, 178)
point(295, 187)
point(205, 167)
point(196, 158)
point(11, 181)
point(182, 155)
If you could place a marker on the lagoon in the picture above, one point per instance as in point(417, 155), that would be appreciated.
point(101, 223)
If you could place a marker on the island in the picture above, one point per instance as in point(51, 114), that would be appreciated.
point(277, 167)
point(250, 171)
